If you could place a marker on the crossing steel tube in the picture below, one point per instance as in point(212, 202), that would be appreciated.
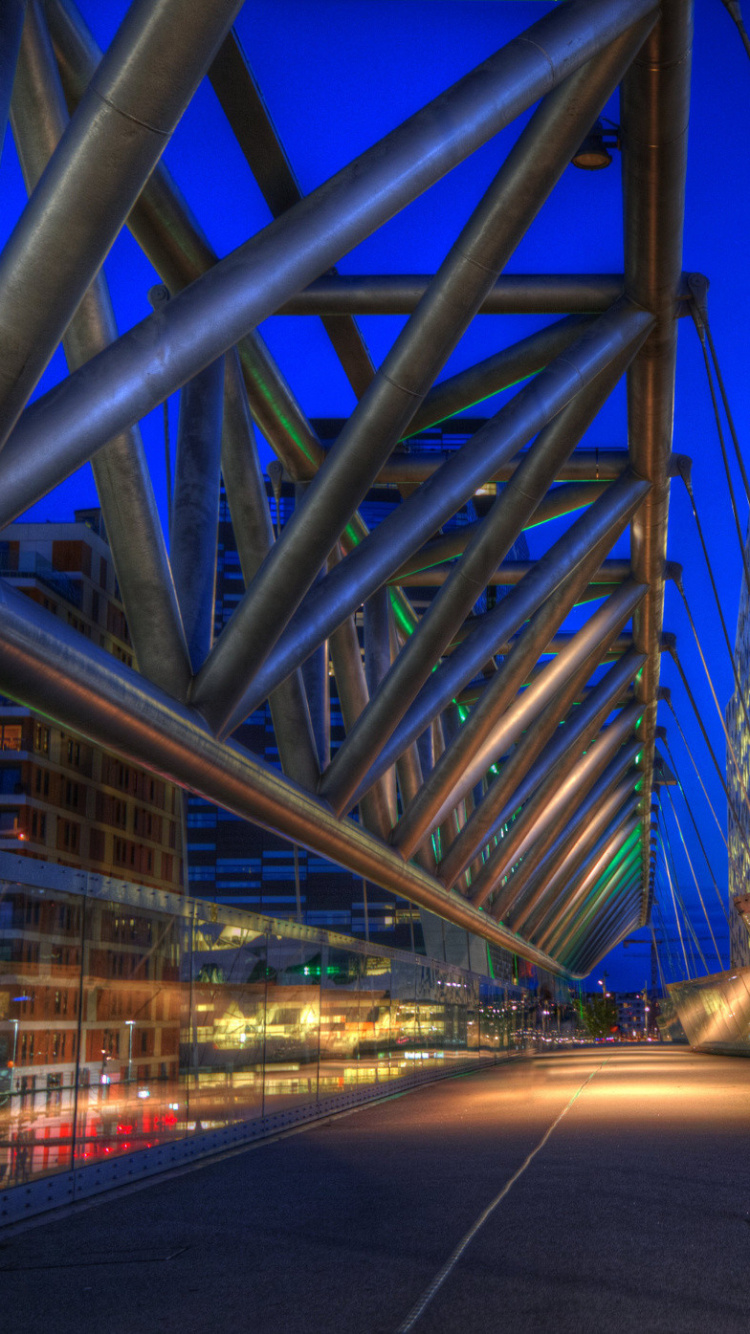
point(609, 513)
point(378, 807)
point(120, 470)
point(144, 366)
point(416, 519)
point(53, 669)
point(585, 465)
point(577, 847)
point(620, 862)
point(589, 845)
point(112, 144)
point(11, 25)
point(491, 542)
point(620, 925)
point(512, 294)
point(654, 114)
point(585, 943)
point(608, 923)
point(589, 874)
point(548, 815)
point(547, 742)
point(539, 771)
point(195, 506)
point(493, 724)
point(488, 377)
point(383, 414)
point(253, 533)
point(378, 637)
point(554, 504)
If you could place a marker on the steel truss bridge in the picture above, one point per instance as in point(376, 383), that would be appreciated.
point(525, 813)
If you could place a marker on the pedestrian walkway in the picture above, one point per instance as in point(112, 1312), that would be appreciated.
point(602, 1191)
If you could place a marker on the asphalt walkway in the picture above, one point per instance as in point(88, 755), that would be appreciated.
point(600, 1192)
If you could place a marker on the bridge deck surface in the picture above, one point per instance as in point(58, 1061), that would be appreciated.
point(634, 1215)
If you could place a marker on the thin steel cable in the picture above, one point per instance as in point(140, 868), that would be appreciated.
point(698, 773)
point(701, 724)
point(665, 933)
point(663, 921)
point(741, 782)
point(698, 322)
point(676, 918)
point(692, 934)
point(727, 641)
point(697, 830)
point(658, 962)
point(695, 878)
point(727, 410)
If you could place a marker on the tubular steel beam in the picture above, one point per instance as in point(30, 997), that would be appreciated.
point(459, 392)
point(490, 543)
point(546, 742)
point(168, 233)
point(448, 680)
point(112, 144)
point(56, 671)
point(547, 815)
point(243, 104)
point(11, 25)
point(486, 732)
point(572, 853)
point(254, 535)
point(654, 113)
point(139, 370)
point(120, 470)
point(480, 252)
point(370, 564)
point(513, 294)
point(558, 908)
point(550, 505)
point(195, 506)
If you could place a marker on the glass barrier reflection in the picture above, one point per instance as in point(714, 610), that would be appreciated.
point(131, 1017)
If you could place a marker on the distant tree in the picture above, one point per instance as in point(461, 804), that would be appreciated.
point(599, 1015)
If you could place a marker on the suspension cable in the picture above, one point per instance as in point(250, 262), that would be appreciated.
point(658, 962)
point(740, 781)
point(725, 402)
point(695, 878)
point(685, 915)
point(727, 641)
point(701, 724)
point(697, 831)
point(698, 322)
point(698, 773)
point(676, 918)
point(667, 941)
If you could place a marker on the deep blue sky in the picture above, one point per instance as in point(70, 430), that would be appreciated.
point(337, 76)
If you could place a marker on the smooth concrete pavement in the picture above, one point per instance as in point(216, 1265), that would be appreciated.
point(633, 1216)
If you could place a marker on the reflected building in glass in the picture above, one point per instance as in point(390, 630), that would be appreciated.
point(133, 1019)
point(62, 800)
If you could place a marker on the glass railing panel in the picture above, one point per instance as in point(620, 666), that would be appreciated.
point(40, 951)
point(293, 1012)
point(224, 972)
point(128, 1092)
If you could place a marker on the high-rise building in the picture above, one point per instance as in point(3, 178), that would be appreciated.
point(62, 800)
point(738, 783)
point(235, 862)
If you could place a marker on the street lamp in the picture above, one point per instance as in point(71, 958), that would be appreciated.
point(131, 1025)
